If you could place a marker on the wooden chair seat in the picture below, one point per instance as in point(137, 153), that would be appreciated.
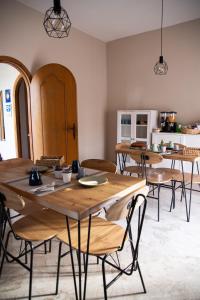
point(157, 176)
point(187, 177)
point(172, 172)
point(41, 226)
point(105, 237)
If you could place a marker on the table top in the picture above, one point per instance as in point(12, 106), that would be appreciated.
point(125, 149)
point(77, 201)
point(181, 157)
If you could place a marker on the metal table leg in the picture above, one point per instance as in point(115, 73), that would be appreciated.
point(191, 183)
point(187, 215)
point(78, 286)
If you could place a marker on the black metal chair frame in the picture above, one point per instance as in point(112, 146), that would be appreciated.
point(5, 218)
point(156, 186)
point(128, 270)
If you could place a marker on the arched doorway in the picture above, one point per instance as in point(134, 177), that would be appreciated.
point(20, 107)
point(52, 110)
point(26, 77)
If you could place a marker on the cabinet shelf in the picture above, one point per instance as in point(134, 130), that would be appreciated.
point(142, 125)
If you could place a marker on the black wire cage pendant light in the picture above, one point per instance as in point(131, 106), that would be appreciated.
point(56, 21)
point(161, 66)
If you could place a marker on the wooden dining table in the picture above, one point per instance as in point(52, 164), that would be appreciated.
point(181, 157)
point(124, 150)
point(73, 200)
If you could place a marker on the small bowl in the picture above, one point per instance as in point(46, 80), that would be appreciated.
point(156, 129)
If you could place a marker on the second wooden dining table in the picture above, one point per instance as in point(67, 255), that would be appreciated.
point(74, 201)
point(122, 150)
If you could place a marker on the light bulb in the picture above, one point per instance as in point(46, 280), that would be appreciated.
point(161, 67)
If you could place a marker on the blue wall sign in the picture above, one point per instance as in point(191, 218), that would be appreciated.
point(7, 96)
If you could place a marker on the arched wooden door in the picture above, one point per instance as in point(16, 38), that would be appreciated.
point(54, 113)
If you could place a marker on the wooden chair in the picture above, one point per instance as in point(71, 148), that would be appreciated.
point(138, 169)
point(155, 177)
point(40, 227)
point(99, 164)
point(29, 207)
point(15, 162)
point(122, 150)
point(118, 210)
point(108, 238)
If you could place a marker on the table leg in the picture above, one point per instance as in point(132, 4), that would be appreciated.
point(72, 259)
point(187, 216)
point(191, 183)
point(78, 291)
point(87, 254)
point(79, 259)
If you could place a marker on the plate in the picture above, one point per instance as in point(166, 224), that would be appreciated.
point(93, 180)
point(40, 169)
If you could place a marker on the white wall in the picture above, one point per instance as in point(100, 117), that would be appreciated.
point(8, 75)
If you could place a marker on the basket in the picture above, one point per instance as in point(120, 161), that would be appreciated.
point(50, 161)
point(190, 131)
point(191, 151)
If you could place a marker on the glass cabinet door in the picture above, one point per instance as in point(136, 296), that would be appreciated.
point(125, 126)
point(141, 130)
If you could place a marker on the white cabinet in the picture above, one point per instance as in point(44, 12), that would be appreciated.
point(188, 140)
point(136, 125)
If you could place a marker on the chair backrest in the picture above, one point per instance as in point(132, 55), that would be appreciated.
point(151, 158)
point(181, 146)
point(119, 210)
point(122, 147)
point(138, 201)
point(12, 199)
point(147, 157)
point(99, 164)
point(15, 162)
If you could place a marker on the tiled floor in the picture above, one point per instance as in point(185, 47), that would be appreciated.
point(169, 258)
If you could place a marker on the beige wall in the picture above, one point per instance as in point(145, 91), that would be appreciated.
point(23, 37)
point(133, 85)
point(131, 81)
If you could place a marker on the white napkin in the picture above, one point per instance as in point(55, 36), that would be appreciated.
point(44, 188)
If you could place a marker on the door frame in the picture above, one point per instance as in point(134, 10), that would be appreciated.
point(27, 79)
point(16, 113)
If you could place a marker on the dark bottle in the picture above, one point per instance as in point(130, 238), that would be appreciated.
point(75, 166)
point(1, 157)
point(35, 178)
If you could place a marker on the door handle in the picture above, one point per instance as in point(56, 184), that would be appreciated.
point(73, 128)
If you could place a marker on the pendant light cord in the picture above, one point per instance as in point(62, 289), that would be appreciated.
point(161, 26)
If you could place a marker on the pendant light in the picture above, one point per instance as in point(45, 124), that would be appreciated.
point(161, 66)
point(56, 21)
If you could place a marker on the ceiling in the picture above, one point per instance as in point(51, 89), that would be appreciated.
point(113, 19)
